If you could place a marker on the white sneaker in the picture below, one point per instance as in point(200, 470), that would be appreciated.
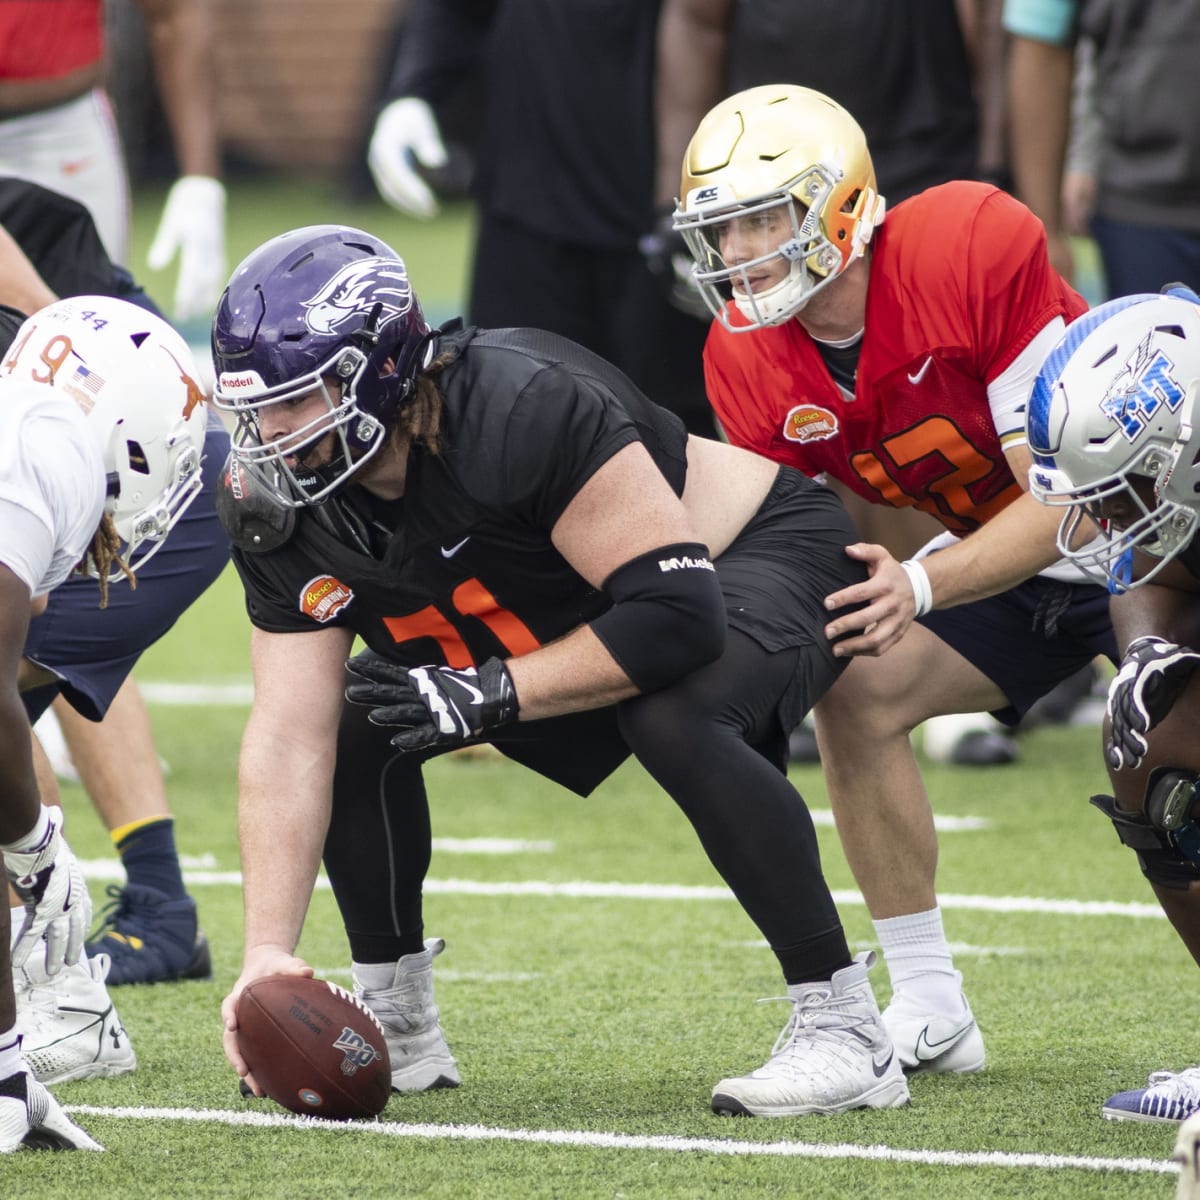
point(70, 1028)
point(927, 1041)
point(1187, 1155)
point(833, 1055)
point(30, 1116)
point(421, 1060)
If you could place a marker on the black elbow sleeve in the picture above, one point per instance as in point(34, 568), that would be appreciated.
point(667, 617)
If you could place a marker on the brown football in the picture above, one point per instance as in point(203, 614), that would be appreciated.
point(313, 1047)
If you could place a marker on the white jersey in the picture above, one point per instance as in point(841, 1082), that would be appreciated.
point(52, 484)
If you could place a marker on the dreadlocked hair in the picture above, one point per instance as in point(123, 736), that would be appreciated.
point(103, 554)
point(420, 420)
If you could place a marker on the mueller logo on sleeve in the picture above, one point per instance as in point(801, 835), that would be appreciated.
point(810, 423)
point(323, 597)
point(685, 562)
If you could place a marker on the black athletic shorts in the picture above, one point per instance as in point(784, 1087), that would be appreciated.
point(1029, 639)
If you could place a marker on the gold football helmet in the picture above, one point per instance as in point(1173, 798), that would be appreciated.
point(775, 176)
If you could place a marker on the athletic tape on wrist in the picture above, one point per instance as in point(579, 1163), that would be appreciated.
point(922, 591)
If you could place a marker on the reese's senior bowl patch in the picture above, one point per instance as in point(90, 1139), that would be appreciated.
point(323, 597)
point(809, 423)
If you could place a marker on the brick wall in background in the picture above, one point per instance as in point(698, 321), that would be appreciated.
point(297, 82)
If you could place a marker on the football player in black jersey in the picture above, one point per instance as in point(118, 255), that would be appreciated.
point(538, 557)
point(1114, 426)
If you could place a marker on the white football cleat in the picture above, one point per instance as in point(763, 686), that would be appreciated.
point(69, 1025)
point(1187, 1155)
point(834, 1055)
point(421, 1060)
point(30, 1116)
point(928, 1041)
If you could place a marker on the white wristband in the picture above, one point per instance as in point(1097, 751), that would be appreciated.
point(922, 592)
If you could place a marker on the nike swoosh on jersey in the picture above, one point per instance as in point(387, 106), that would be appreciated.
point(937, 1049)
point(450, 552)
point(915, 379)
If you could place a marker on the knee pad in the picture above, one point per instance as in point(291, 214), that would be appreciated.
point(1164, 836)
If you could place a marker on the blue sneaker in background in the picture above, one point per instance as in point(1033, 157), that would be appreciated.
point(150, 937)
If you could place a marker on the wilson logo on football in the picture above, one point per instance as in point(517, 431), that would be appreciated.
point(809, 423)
point(323, 597)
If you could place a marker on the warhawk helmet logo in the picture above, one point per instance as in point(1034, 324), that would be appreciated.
point(355, 290)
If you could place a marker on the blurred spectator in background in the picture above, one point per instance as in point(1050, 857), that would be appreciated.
point(1136, 58)
point(563, 174)
point(57, 128)
point(925, 79)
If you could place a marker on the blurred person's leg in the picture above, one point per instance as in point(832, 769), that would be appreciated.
point(1139, 258)
point(151, 932)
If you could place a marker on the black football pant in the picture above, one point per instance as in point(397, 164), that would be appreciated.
point(714, 742)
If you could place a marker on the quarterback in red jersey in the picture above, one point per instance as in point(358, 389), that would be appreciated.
point(897, 358)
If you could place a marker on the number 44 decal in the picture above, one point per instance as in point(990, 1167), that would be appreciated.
point(470, 599)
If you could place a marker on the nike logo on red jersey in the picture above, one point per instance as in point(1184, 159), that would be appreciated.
point(915, 379)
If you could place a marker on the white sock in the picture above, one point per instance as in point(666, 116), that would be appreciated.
point(919, 961)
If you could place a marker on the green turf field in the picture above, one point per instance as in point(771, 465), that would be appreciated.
point(598, 980)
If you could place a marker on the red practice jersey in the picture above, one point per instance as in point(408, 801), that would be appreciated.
point(42, 39)
point(960, 284)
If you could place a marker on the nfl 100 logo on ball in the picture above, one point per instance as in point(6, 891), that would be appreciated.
point(313, 1048)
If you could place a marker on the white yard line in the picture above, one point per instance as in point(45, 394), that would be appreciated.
point(572, 1138)
point(104, 869)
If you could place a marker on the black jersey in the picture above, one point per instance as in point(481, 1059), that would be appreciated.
point(903, 72)
point(462, 568)
point(565, 123)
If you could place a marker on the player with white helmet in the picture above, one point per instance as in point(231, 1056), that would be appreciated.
point(1112, 424)
point(102, 428)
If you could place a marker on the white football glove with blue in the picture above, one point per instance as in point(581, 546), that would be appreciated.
point(1153, 674)
point(406, 131)
point(57, 905)
point(193, 226)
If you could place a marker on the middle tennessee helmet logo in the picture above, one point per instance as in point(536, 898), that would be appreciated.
point(1141, 390)
point(355, 290)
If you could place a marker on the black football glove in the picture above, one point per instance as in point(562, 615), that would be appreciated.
point(434, 707)
point(1153, 674)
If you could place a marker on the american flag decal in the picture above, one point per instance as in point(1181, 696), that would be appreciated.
point(88, 378)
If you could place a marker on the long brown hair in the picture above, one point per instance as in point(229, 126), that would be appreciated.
point(103, 555)
point(420, 420)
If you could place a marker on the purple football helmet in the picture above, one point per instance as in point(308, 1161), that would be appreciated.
point(325, 308)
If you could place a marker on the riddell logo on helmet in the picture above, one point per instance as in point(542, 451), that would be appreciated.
point(323, 597)
point(810, 423)
point(237, 381)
